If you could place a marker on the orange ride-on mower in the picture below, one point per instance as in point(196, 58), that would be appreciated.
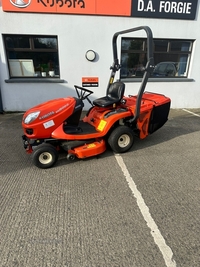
point(113, 120)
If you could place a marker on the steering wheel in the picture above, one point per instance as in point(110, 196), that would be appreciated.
point(82, 93)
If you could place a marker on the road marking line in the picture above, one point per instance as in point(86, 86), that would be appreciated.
point(155, 232)
point(191, 112)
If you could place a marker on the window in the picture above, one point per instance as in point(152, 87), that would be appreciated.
point(32, 56)
point(171, 57)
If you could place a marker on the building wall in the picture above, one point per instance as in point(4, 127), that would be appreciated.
point(78, 33)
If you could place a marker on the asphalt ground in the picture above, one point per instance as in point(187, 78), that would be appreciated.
point(137, 209)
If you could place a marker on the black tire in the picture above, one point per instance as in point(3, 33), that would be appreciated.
point(45, 156)
point(121, 139)
point(71, 157)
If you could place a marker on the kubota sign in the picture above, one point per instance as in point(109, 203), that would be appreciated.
point(91, 7)
point(129, 8)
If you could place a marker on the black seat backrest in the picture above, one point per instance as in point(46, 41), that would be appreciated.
point(116, 91)
point(114, 95)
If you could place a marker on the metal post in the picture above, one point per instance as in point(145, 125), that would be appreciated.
point(1, 104)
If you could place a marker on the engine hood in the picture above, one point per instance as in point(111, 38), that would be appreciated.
point(51, 108)
point(53, 104)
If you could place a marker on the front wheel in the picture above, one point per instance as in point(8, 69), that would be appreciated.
point(121, 139)
point(45, 156)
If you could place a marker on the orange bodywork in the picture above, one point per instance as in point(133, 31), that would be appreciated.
point(52, 114)
point(95, 118)
point(52, 122)
point(149, 101)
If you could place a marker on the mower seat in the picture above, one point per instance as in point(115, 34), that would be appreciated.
point(114, 95)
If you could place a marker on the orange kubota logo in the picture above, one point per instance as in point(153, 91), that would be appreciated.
point(20, 3)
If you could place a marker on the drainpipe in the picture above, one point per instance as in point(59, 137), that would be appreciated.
point(1, 104)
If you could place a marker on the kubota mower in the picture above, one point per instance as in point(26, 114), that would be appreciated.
point(113, 120)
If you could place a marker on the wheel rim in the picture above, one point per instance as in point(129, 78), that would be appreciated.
point(45, 158)
point(124, 140)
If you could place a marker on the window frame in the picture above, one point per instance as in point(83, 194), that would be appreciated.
point(30, 50)
point(127, 52)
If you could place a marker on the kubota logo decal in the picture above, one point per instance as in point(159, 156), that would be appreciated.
point(20, 3)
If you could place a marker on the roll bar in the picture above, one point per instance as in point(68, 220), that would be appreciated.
point(148, 68)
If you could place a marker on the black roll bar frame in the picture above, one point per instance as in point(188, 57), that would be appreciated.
point(148, 68)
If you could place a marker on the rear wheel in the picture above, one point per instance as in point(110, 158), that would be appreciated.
point(45, 156)
point(121, 139)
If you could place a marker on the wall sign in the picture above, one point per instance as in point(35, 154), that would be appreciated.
point(90, 81)
point(90, 7)
point(172, 9)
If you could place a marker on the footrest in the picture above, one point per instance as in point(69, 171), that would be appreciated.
point(69, 129)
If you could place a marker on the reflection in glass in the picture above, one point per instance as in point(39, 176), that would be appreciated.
point(17, 42)
point(48, 43)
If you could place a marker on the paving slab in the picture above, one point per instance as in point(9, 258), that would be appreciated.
point(85, 214)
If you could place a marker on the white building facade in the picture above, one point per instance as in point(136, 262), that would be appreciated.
point(44, 45)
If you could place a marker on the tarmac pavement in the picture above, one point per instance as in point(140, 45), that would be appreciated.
point(138, 209)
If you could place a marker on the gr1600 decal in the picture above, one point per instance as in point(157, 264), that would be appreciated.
point(172, 9)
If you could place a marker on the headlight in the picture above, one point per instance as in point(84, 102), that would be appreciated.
point(31, 117)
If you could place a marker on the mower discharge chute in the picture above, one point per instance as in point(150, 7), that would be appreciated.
point(113, 120)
